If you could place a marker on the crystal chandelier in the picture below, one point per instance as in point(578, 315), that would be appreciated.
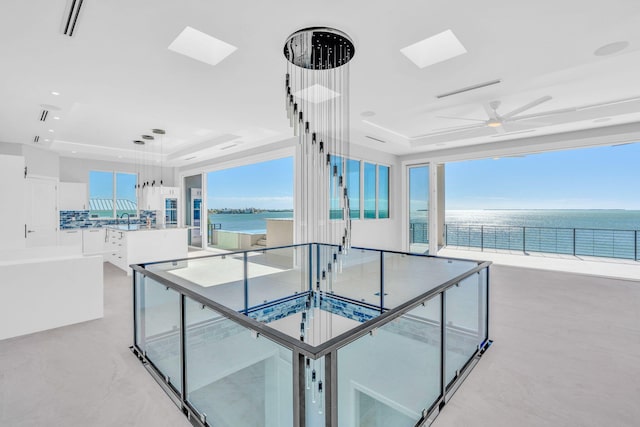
point(317, 105)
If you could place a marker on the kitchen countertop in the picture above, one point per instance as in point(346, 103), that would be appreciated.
point(143, 227)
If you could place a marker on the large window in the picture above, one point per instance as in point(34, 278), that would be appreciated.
point(376, 191)
point(374, 202)
point(112, 194)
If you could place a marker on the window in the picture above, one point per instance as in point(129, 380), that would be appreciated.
point(376, 191)
point(112, 194)
point(374, 202)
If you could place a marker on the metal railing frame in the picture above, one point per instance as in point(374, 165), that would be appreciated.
point(301, 350)
point(573, 232)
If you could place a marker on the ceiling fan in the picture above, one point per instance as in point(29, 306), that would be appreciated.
point(499, 122)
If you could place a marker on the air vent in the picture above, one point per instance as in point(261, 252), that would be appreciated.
point(376, 139)
point(43, 115)
point(467, 89)
point(190, 158)
point(226, 147)
point(36, 139)
point(71, 19)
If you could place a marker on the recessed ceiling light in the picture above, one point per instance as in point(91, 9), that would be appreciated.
point(201, 47)
point(611, 48)
point(119, 157)
point(46, 140)
point(316, 94)
point(54, 93)
point(494, 123)
point(602, 120)
point(73, 152)
point(434, 49)
point(56, 118)
point(368, 114)
point(51, 130)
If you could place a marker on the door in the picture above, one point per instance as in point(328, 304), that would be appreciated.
point(419, 209)
point(41, 228)
point(196, 206)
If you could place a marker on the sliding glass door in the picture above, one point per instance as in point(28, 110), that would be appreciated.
point(418, 209)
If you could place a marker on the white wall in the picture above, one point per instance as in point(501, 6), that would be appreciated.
point(41, 162)
point(10, 149)
point(77, 170)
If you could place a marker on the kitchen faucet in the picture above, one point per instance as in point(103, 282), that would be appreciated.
point(128, 218)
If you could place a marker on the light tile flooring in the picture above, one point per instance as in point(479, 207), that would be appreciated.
point(566, 353)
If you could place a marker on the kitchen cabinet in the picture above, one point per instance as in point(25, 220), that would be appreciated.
point(139, 245)
point(93, 241)
point(72, 196)
point(71, 237)
point(163, 200)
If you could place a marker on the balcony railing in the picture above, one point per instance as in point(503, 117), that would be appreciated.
point(244, 338)
point(570, 241)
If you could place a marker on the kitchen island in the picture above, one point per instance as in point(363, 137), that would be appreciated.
point(135, 244)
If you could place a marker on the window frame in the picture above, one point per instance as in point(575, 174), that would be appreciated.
point(114, 189)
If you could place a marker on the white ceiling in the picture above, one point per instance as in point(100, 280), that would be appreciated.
point(117, 78)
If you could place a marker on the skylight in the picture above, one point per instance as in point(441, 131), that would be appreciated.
point(201, 47)
point(435, 49)
point(316, 94)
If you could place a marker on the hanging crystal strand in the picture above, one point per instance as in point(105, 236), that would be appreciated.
point(308, 373)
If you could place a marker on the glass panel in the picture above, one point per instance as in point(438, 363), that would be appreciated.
point(315, 398)
point(353, 187)
point(126, 199)
point(101, 194)
point(162, 330)
point(383, 192)
point(354, 275)
point(139, 310)
point(465, 323)
point(335, 211)
point(274, 274)
point(369, 190)
point(171, 211)
point(219, 278)
point(374, 392)
point(419, 209)
point(235, 377)
point(407, 276)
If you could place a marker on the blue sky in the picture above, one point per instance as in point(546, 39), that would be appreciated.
point(266, 185)
point(102, 185)
point(590, 178)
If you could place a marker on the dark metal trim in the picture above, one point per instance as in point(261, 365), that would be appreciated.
point(183, 350)
point(331, 389)
point(299, 397)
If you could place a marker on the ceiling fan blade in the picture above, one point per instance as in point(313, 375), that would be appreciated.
point(527, 106)
point(459, 118)
point(449, 130)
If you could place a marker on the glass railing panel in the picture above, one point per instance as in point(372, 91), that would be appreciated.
point(219, 278)
point(234, 376)
point(466, 321)
point(274, 274)
point(315, 396)
point(159, 329)
point(138, 308)
point(408, 276)
point(354, 275)
point(389, 377)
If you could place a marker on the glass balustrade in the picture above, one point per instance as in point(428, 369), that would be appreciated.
point(311, 335)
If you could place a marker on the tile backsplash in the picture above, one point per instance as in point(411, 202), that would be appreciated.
point(81, 219)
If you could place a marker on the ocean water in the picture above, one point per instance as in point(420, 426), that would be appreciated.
point(554, 218)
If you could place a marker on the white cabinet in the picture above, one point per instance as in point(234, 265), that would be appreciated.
point(93, 241)
point(72, 196)
point(71, 237)
point(116, 248)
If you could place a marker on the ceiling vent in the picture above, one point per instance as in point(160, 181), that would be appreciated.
point(71, 18)
point(469, 88)
point(36, 139)
point(43, 115)
point(376, 139)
